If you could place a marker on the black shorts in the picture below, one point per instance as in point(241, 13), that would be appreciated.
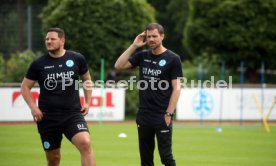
point(52, 127)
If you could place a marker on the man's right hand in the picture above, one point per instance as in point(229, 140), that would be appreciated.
point(37, 114)
point(140, 40)
point(123, 61)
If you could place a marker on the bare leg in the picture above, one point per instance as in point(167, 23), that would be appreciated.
point(82, 141)
point(53, 157)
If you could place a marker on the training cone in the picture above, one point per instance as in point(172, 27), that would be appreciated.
point(122, 135)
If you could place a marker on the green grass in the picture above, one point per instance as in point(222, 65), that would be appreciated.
point(192, 146)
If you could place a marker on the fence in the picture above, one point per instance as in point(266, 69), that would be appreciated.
point(20, 27)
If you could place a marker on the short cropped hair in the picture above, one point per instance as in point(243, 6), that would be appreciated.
point(157, 26)
point(59, 31)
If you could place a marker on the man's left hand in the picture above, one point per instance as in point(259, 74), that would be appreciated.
point(85, 109)
point(168, 119)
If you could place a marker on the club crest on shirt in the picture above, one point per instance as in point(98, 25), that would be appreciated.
point(69, 63)
point(162, 62)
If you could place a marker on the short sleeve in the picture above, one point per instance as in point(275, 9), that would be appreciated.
point(135, 59)
point(32, 72)
point(83, 68)
point(176, 69)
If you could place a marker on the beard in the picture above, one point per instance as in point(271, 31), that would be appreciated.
point(155, 46)
point(53, 50)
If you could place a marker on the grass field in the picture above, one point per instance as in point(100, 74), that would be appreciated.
point(192, 146)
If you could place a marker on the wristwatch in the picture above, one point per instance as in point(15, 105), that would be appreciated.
point(169, 114)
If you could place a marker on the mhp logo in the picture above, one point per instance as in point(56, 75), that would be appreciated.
point(203, 103)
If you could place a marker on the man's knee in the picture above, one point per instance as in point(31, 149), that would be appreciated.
point(53, 161)
point(53, 158)
point(82, 142)
point(85, 145)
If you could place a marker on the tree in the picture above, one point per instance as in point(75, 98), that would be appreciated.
point(14, 38)
point(2, 68)
point(10, 13)
point(177, 13)
point(172, 15)
point(18, 64)
point(235, 30)
point(98, 28)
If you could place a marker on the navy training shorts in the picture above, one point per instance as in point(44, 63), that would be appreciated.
point(51, 129)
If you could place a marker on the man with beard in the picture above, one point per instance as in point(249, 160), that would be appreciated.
point(159, 89)
point(59, 109)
